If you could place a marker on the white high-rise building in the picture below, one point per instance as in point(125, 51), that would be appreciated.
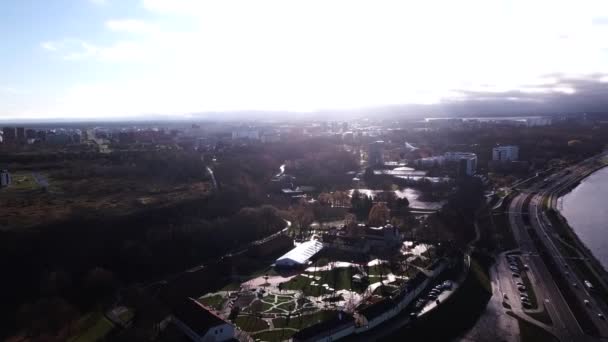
point(505, 153)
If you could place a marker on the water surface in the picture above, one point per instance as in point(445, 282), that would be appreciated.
point(586, 209)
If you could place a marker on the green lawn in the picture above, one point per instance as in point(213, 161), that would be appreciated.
point(274, 335)
point(23, 181)
point(287, 306)
point(303, 321)
point(250, 323)
point(303, 284)
point(339, 278)
point(215, 301)
point(283, 299)
point(266, 306)
point(92, 327)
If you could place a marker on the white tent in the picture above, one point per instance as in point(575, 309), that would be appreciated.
point(300, 254)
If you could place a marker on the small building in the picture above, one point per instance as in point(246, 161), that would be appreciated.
point(200, 324)
point(386, 236)
point(356, 244)
point(505, 153)
point(340, 326)
point(5, 178)
point(467, 162)
point(300, 255)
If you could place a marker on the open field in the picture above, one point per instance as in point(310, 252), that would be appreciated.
point(87, 188)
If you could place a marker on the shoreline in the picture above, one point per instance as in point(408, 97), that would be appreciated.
point(596, 265)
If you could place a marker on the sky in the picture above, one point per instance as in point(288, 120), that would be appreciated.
point(116, 58)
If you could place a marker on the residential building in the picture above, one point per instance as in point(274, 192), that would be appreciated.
point(384, 237)
point(505, 153)
point(270, 137)
point(21, 133)
point(58, 138)
point(200, 323)
point(467, 162)
point(375, 153)
point(428, 162)
point(252, 134)
point(30, 134)
point(10, 134)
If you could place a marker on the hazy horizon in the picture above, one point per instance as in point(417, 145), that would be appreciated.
point(110, 59)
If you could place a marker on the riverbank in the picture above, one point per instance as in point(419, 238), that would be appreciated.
point(589, 264)
point(556, 207)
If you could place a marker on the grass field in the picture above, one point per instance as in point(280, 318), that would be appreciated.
point(338, 279)
point(23, 181)
point(215, 301)
point(250, 323)
point(274, 335)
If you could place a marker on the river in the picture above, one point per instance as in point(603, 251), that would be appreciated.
point(585, 209)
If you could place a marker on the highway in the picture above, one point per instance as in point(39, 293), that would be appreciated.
point(563, 312)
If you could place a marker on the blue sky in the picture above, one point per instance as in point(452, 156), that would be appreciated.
point(111, 58)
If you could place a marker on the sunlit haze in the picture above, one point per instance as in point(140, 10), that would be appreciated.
point(113, 58)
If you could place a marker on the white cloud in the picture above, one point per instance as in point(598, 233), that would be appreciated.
point(277, 54)
point(130, 26)
point(51, 46)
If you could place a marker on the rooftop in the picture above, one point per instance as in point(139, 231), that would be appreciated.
point(197, 316)
point(304, 251)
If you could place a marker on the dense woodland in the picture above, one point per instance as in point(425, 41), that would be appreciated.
point(56, 270)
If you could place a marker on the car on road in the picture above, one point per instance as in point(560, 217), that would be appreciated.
point(526, 267)
point(521, 288)
point(601, 316)
point(575, 285)
point(505, 297)
point(587, 302)
point(516, 275)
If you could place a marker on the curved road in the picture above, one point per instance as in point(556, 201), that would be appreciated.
point(565, 325)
